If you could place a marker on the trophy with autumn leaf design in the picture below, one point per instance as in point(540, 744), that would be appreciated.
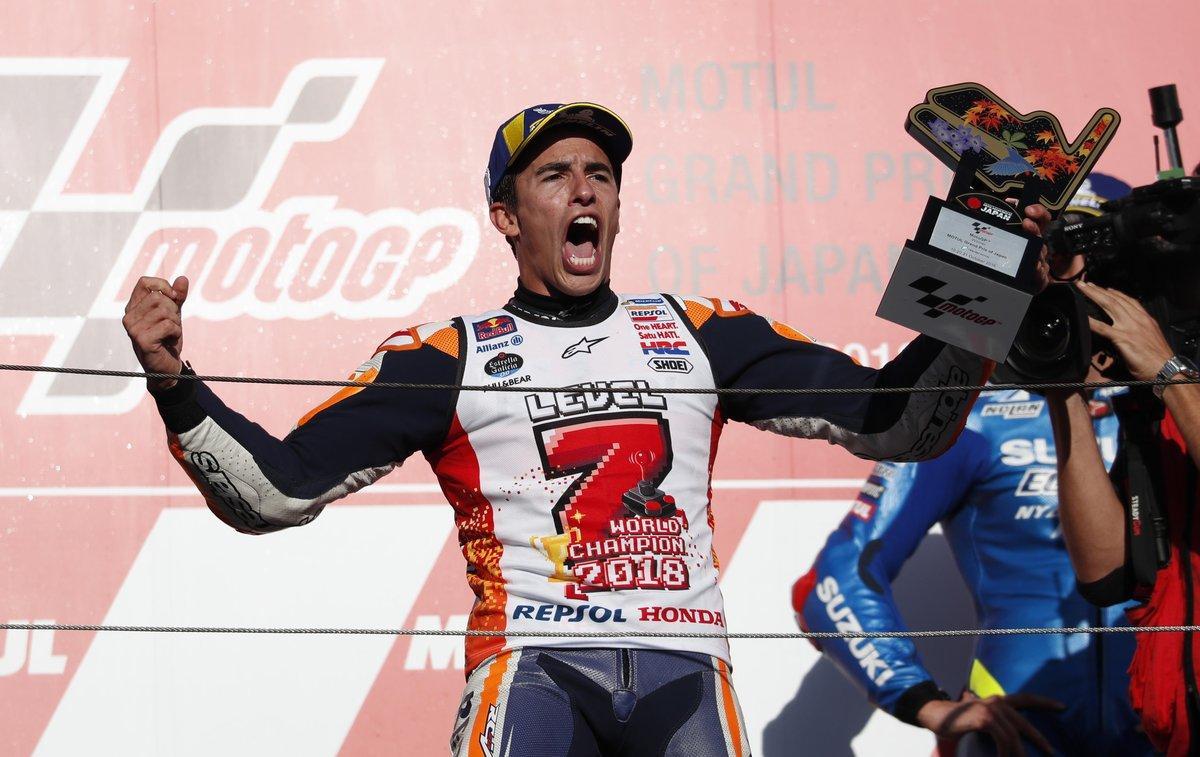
point(970, 273)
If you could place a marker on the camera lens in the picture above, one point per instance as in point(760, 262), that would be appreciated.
point(1045, 334)
point(1053, 342)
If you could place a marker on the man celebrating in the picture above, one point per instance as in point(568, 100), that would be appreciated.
point(585, 509)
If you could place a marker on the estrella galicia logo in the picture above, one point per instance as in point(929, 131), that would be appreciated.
point(583, 345)
point(954, 304)
point(504, 364)
point(493, 328)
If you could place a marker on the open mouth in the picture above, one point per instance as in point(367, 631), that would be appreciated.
point(582, 245)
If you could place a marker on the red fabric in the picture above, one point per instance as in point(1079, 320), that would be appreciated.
point(800, 590)
point(1156, 681)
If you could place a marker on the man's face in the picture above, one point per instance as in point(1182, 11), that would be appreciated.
point(566, 218)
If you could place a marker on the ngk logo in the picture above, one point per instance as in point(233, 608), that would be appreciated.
point(197, 209)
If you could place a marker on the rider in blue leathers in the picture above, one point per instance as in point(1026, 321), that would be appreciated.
point(995, 495)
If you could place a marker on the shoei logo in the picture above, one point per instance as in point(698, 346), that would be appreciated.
point(955, 304)
point(208, 204)
point(670, 365)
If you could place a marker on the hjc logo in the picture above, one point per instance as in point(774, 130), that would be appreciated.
point(31, 651)
point(199, 208)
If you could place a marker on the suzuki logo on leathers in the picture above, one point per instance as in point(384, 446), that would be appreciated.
point(582, 346)
point(874, 666)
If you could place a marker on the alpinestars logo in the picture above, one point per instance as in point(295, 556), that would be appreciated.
point(954, 304)
point(199, 208)
point(583, 346)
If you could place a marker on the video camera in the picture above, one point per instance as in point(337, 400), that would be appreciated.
point(1146, 245)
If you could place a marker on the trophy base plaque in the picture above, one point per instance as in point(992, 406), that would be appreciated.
point(950, 303)
point(970, 275)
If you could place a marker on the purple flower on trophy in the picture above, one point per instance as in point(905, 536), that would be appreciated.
point(965, 138)
point(941, 130)
point(960, 138)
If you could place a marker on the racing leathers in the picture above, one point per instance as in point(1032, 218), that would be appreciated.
point(995, 495)
point(586, 509)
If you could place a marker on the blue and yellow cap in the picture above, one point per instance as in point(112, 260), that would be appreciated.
point(1096, 189)
point(515, 134)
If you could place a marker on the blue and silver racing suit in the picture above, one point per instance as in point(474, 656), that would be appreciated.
point(995, 494)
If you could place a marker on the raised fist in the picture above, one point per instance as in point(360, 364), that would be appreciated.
point(154, 323)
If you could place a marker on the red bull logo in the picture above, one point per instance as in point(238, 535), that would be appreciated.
point(493, 328)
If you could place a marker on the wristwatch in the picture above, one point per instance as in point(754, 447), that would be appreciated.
point(1176, 365)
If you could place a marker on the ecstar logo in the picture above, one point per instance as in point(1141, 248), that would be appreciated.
point(1037, 482)
point(199, 208)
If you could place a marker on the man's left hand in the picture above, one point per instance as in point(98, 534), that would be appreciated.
point(1036, 220)
point(1133, 332)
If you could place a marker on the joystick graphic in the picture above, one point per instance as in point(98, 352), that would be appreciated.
point(645, 498)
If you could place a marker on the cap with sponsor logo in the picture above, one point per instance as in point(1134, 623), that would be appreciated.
point(516, 133)
point(1096, 189)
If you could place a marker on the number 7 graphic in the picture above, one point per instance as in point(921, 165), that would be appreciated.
point(620, 460)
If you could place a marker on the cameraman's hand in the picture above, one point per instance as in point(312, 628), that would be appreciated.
point(155, 326)
point(1133, 332)
point(995, 716)
point(1036, 220)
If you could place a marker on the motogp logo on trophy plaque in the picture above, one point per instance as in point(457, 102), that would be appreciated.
point(968, 277)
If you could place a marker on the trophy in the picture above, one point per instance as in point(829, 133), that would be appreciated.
point(969, 275)
point(554, 548)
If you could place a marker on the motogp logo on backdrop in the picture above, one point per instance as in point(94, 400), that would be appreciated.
point(199, 208)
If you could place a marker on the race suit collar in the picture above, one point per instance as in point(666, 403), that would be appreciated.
point(558, 309)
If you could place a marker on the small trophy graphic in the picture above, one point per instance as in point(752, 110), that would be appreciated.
point(554, 549)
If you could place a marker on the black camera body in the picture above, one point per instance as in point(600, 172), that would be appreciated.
point(1137, 236)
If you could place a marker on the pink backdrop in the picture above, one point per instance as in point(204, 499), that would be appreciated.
point(770, 165)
